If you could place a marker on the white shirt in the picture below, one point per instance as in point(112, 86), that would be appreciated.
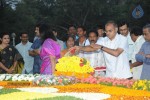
point(137, 45)
point(23, 50)
point(130, 43)
point(117, 67)
point(96, 58)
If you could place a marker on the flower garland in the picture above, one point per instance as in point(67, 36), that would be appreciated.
point(108, 81)
point(48, 80)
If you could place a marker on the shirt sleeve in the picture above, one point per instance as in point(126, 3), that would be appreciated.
point(142, 58)
point(147, 61)
point(139, 57)
point(124, 44)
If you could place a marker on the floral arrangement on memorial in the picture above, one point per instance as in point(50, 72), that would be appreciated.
point(18, 77)
point(108, 81)
point(73, 66)
point(48, 80)
point(142, 85)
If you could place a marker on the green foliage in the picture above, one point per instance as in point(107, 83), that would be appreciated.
point(62, 13)
point(6, 91)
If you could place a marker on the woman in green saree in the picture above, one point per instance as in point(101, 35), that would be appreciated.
point(10, 59)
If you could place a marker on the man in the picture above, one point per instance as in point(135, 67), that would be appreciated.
point(144, 54)
point(23, 48)
point(100, 31)
point(72, 31)
point(61, 43)
point(35, 48)
point(115, 49)
point(124, 30)
point(96, 58)
point(81, 31)
point(138, 39)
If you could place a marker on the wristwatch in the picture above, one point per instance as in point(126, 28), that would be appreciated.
point(102, 47)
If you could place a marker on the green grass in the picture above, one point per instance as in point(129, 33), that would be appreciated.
point(60, 98)
point(6, 91)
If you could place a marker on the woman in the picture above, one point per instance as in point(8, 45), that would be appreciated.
point(70, 41)
point(50, 52)
point(9, 56)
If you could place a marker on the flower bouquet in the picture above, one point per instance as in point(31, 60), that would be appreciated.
point(73, 66)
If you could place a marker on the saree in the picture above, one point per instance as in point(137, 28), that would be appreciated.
point(8, 56)
point(49, 48)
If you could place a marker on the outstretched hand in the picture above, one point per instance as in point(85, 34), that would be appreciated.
point(75, 49)
point(96, 46)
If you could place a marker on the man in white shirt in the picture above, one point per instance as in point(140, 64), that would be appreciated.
point(96, 58)
point(124, 30)
point(138, 39)
point(115, 48)
point(23, 48)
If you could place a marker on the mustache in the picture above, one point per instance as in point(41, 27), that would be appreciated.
point(92, 40)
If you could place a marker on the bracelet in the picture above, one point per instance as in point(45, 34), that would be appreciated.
point(102, 47)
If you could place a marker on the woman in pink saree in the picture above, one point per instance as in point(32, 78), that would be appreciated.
point(50, 53)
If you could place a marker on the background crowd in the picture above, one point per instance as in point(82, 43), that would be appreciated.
point(117, 47)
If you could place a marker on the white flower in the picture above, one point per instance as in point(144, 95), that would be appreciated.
point(31, 78)
point(37, 82)
point(14, 78)
point(8, 77)
point(2, 77)
point(53, 80)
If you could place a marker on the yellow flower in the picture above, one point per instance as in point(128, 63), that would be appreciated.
point(73, 64)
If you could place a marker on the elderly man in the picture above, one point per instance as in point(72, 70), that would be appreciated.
point(115, 48)
point(144, 54)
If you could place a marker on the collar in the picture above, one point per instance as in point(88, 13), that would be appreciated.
point(139, 38)
point(114, 38)
point(24, 44)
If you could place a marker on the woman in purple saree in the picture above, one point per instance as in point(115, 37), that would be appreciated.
point(50, 53)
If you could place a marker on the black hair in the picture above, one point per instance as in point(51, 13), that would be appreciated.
point(123, 23)
point(71, 26)
point(4, 33)
point(48, 34)
point(100, 26)
point(23, 33)
point(82, 27)
point(93, 31)
point(42, 27)
point(54, 30)
point(69, 36)
point(136, 31)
